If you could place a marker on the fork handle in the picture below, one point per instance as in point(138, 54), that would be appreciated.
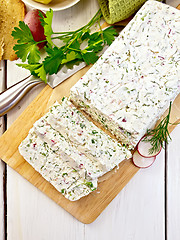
point(10, 97)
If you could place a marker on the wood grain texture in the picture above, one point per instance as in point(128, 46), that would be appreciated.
point(137, 213)
point(1, 163)
point(173, 186)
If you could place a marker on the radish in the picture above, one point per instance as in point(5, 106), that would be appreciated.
point(32, 19)
point(142, 162)
point(144, 147)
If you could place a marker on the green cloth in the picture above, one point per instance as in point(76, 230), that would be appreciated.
point(117, 10)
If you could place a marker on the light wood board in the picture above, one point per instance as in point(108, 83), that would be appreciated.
point(88, 208)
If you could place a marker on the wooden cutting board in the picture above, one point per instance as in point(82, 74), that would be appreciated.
point(88, 208)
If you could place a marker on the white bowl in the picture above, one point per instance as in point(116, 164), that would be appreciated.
point(55, 5)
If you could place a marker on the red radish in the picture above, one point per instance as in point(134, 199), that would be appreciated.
point(144, 146)
point(32, 19)
point(142, 162)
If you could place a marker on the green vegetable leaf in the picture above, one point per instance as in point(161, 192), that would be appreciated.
point(70, 53)
point(26, 47)
point(89, 57)
point(30, 67)
point(53, 60)
point(89, 184)
point(27, 51)
point(41, 73)
point(34, 54)
point(86, 35)
point(36, 70)
point(23, 34)
point(47, 23)
point(109, 34)
point(71, 56)
point(95, 37)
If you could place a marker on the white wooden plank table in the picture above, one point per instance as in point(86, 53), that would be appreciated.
point(147, 208)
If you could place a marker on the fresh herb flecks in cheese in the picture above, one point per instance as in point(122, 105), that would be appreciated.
point(131, 85)
point(55, 168)
point(85, 136)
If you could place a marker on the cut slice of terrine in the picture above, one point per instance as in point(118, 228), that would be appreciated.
point(69, 180)
point(66, 119)
point(58, 143)
point(131, 85)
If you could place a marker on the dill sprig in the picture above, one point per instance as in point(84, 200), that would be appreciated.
point(160, 134)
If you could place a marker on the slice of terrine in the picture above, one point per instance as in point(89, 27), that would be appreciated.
point(69, 179)
point(131, 85)
point(91, 141)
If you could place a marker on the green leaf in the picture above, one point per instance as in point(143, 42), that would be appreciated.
point(86, 35)
point(53, 60)
point(36, 70)
point(89, 57)
point(26, 47)
point(41, 73)
point(23, 34)
point(47, 22)
point(70, 57)
point(30, 67)
point(109, 35)
point(96, 46)
point(95, 37)
point(27, 51)
point(34, 55)
point(75, 44)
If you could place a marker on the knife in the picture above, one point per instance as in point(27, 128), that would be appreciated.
point(11, 96)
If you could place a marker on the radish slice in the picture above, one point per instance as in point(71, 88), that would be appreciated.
point(142, 162)
point(143, 148)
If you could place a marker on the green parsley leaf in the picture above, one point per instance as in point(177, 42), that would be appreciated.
point(53, 60)
point(109, 34)
point(72, 52)
point(47, 23)
point(89, 57)
point(26, 47)
point(94, 132)
point(30, 67)
point(41, 73)
point(70, 57)
point(23, 33)
point(89, 184)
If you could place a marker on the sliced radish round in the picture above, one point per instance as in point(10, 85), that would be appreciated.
point(142, 162)
point(144, 146)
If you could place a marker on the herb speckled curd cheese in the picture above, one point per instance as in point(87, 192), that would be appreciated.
point(130, 86)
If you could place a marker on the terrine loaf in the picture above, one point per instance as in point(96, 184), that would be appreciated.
point(130, 86)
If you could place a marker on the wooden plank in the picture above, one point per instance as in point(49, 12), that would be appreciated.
point(138, 210)
point(172, 178)
point(173, 186)
point(2, 165)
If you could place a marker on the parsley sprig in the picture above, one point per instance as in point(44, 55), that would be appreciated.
point(72, 50)
point(159, 134)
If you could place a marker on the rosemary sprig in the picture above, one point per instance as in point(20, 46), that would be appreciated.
point(160, 134)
